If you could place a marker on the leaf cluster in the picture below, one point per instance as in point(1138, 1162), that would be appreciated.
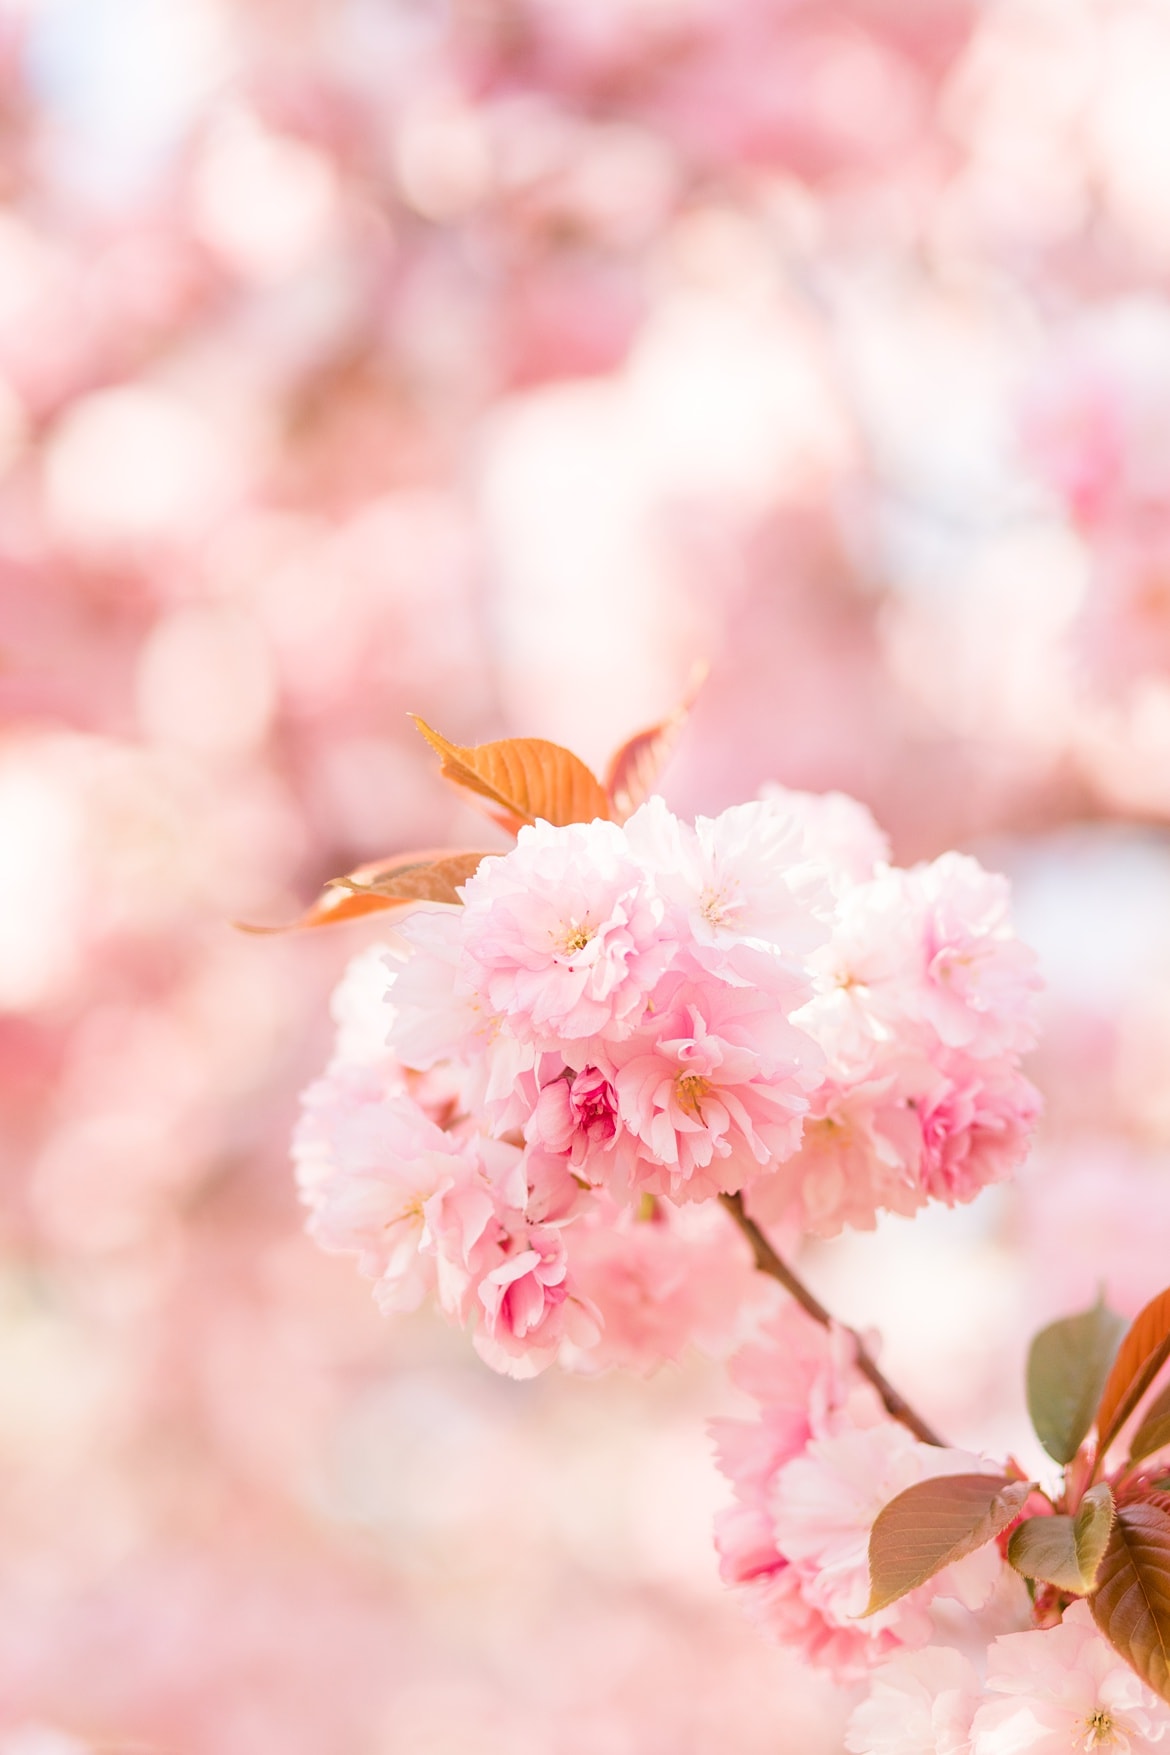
point(516, 780)
point(1106, 1539)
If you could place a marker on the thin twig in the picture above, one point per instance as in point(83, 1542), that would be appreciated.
point(768, 1262)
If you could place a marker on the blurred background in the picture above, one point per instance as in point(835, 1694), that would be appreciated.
point(501, 360)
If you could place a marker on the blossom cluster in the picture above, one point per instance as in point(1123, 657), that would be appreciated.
point(956, 1666)
point(556, 1079)
point(811, 1473)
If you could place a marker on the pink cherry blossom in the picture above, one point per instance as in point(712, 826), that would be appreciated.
point(361, 1010)
point(436, 1012)
point(824, 1504)
point(564, 934)
point(811, 1474)
point(979, 981)
point(838, 834)
point(374, 1169)
point(919, 1703)
point(674, 1054)
point(860, 1154)
point(737, 881)
point(577, 1114)
point(1059, 1688)
point(933, 948)
point(977, 1121)
point(930, 1129)
point(662, 1278)
point(527, 1308)
point(867, 975)
point(799, 1371)
point(462, 1226)
point(711, 1087)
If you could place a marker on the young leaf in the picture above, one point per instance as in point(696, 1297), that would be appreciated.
point(1068, 1363)
point(1131, 1604)
point(933, 1523)
point(1093, 1524)
point(634, 768)
point(1154, 1432)
point(1140, 1357)
point(418, 877)
point(522, 778)
point(1065, 1551)
point(386, 883)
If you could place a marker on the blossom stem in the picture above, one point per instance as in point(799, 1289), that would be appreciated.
point(768, 1262)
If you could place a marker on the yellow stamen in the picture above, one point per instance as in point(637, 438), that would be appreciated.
point(412, 1213)
point(575, 935)
point(714, 906)
point(689, 1091)
point(1098, 1729)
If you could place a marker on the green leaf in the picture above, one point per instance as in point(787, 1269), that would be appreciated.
point(1094, 1524)
point(1154, 1431)
point(1065, 1551)
point(1131, 1604)
point(934, 1523)
point(1068, 1363)
point(1140, 1357)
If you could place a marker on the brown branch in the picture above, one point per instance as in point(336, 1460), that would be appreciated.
point(768, 1262)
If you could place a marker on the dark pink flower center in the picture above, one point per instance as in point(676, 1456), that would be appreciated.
point(593, 1104)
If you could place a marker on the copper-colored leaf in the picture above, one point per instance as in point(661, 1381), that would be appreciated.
point(635, 767)
point(386, 883)
point(1068, 1363)
point(934, 1523)
point(522, 778)
point(418, 877)
point(1065, 1551)
point(1140, 1357)
point(1154, 1431)
point(1131, 1604)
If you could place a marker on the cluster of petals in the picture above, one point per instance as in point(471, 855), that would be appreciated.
point(500, 1233)
point(621, 1022)
point(924, 1003)
point(811, 1473)
point(1059, 1690)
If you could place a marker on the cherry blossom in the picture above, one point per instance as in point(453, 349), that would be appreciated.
point(737, 879)
point(1064, 1687)
point(810, 1481)
point(382, 1180)
point(920, 1703)
point(711, 1087)
point(565, 934)
point(756, 1005)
